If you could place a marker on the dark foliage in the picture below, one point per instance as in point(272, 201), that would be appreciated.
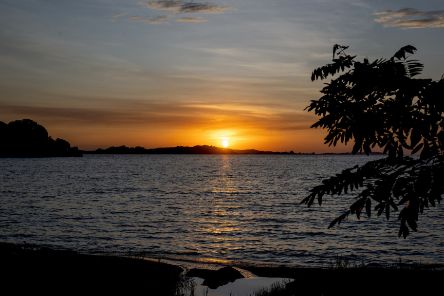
point(26, 138)
point(382, 105)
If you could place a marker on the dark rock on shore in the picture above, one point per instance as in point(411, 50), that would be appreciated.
point(216, 278)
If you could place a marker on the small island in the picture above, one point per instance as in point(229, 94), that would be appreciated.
point(27, 138)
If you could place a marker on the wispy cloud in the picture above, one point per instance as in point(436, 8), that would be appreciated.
point(154, 20)
point(118, 16)
point(410, 18)
point(180, 6)
point(160, 114)
point(195, 20)
point(176, 7)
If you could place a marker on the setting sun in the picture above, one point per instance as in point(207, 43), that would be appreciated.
point(225, 142)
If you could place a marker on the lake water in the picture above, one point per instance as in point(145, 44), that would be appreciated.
point(207, 207)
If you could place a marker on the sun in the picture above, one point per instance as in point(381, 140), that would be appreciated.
point(225, 142)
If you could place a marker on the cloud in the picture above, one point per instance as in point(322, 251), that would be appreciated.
point(180, 6)
point(156, 123)
point(118, 16)
point(154, 20)
point(195, 20)
point(410, 18)
point(143, 114)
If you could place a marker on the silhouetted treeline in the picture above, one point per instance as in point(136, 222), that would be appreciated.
point(200, 149)
point(27, 138)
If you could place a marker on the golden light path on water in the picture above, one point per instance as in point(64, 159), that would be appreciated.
point(220, 226)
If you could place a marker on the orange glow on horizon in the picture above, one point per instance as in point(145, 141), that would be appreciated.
point(307, 141)
point(236, 127)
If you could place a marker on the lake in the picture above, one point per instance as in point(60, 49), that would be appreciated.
point(201, 207)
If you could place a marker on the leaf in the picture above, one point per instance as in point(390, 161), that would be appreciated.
point(393, 205)
point(368, 207)
point(415, 137)
point(309, 199)
point(403, 230)
point(340, 47)
point(367, 149)
point(339, 219)
point(387, 211)
point(414, 67)
point(417, 148)
point(333, 223)
point(357, 145)
point(412, 224)
point(401, 53)
point(379, 208)
point(425, 151)
point(421, 207)
point(441, 138)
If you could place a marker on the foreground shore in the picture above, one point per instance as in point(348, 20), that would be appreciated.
point(27, 268)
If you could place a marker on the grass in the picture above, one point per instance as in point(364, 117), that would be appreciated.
point(277, 289)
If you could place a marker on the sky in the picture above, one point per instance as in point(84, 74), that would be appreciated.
point(166, 73)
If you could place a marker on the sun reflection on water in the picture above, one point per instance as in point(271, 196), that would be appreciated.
point(224, 182)
point(221, 226)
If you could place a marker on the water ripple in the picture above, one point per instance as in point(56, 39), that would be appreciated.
point(243, 208)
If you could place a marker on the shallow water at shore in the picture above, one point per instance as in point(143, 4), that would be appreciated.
point(200, 207)
point(240, 287)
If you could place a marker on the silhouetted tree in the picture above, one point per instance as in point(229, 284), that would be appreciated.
point(25, 138)
point(3, 135)
point(383, 105)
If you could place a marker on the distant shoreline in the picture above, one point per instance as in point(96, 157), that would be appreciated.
point(200, 150)
point(26, 138)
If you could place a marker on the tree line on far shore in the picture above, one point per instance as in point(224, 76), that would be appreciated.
point(198, 149)
point(27, 138)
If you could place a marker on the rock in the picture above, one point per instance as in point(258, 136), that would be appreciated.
point(216, 278)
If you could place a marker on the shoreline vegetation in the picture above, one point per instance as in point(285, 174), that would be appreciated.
point(40, 269)
point(199, 149)
point(27, 138)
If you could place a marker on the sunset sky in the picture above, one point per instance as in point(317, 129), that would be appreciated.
point(167, 73)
